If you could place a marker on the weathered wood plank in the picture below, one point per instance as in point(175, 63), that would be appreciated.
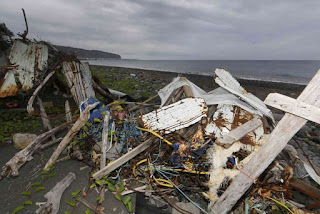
point(240, 131)
point(293, 106)
point(68, 112)
point(284, 131)
point(106, 146)
point(30, 108)
point(123, 159)
point(87, 79)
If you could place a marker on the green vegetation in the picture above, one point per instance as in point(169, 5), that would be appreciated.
point(138, 88)
point(17, 121)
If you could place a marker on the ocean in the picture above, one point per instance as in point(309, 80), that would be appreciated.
point(290, 71)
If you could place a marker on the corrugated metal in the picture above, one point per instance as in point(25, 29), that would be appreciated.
point(30, 60)
point(175, 116)
point(229, 117)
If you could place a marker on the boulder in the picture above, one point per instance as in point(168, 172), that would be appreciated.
point(22, 140)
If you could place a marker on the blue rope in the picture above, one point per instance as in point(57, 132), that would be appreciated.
point(184, 194)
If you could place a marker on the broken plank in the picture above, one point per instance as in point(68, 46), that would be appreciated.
point(123, 159)
point(293, 106)
point(106, 146)
point(68, 112)
point(54, 195)
point(240, 132)
point(87, 80)
point(278, 139)
point(30, 108)
point(44, 118)
point(305, 188)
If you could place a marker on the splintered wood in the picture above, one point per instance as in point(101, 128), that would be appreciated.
point(175, 116)
point(79, 80)
point(284, 131)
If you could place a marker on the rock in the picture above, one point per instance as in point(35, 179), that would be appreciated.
point(21, 141)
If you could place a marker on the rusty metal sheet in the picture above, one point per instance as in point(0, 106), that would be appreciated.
point(229, 117)
point(29, 59)
point(175, 116)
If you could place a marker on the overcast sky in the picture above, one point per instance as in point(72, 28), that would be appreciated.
point(175, 29)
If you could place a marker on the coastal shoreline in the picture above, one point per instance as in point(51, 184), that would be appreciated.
point(260, 88)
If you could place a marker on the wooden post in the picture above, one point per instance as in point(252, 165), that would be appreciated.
point(284, 131)
point(104, 148)
point(68, 112)
point(105, 140)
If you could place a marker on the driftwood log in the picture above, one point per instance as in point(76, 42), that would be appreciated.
point(14, 164)
point(84, 116)
point(54, 195)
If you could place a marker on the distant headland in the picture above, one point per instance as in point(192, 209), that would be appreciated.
point(87, 54)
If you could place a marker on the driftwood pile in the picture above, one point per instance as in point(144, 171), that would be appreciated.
point(209, 147)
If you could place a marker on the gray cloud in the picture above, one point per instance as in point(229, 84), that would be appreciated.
point(179, 29)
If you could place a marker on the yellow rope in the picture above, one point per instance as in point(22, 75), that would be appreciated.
point(155, 134)
point(280, 203)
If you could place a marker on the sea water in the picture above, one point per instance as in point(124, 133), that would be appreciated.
point(291, 71)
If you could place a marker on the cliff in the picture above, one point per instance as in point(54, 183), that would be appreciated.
point(82, 53)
